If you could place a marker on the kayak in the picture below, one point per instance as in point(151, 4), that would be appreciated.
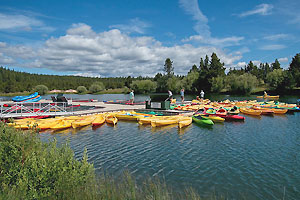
point(212, 117)
point(186, 121)
point(100, 119)
point(83, 122)
point(62, 124)
point(234, 117)
point(202, 121)
point(128, 116)
point(163, 121)
point(264, 111)
point(110, 119)
point(249, 111)
point(146, 120)
point(268, 97)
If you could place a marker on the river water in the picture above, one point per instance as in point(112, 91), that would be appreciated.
point(255, 159)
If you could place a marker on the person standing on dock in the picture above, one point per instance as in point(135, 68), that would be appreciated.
point(131, 94)
point(202, 94)
point(170, 95)
point(182, 95)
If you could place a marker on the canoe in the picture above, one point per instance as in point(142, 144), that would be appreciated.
point(99, 119)
point(110, 119)
point(202, 121)
point(249, 111)
point(186, 121)
point(83, 122)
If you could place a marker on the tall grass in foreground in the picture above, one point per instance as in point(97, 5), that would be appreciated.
point(31, 169)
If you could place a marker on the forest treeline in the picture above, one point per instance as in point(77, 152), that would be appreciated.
point(209, 76)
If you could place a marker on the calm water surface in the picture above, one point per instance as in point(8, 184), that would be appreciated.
point(255, 159)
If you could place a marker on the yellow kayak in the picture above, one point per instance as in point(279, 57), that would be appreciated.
point(249, 111)
point(100, 119)
point(146, 120)
point(268, 97)
point(128, 116)
point(110, 119)
point(62, 124)
point(47, 124)
point(186, 121)
point(163, 121)
point(215, 118)
point(84, 122)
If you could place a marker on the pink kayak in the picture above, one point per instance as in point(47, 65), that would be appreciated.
point(234, 117)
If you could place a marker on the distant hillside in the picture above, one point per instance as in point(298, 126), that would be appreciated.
point(14, 81)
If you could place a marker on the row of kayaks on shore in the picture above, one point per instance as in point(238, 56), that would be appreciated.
point(112, 118)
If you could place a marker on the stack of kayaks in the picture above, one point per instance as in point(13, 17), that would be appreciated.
point(35, 97)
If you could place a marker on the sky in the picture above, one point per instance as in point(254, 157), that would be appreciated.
point(105, 38)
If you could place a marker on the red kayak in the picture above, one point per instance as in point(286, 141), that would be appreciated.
point(234, 117)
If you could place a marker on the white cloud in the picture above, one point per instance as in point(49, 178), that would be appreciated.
point(242, 51)
point(111, 53)
point(241, 64)
point(272, 47)
point(285, 59)
point(18, 22)
point(256, 62)
point(191, 7)
point(222, 42)
point(17, 51)
point(277, 37)
point(134, 26)
point(4, 60)
point(262, 9)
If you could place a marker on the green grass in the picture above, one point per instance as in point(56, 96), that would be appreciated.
point(31, 169)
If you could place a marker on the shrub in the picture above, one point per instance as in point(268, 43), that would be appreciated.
point(174, 84)
point(96, 87)
point(31, 169)
point(217, 84)
point(143, 86)
point(81, 89)
point(125, 90)
point(41, 89)
point(242, 84)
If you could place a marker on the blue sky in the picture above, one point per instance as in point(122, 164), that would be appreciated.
point(127, 37)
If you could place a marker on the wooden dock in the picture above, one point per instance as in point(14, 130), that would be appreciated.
point(100, 107)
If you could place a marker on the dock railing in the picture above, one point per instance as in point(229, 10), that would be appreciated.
point(21, 109)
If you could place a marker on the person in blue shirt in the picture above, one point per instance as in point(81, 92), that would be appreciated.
point(182, 95)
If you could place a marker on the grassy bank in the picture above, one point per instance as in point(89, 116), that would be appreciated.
point(31, 169)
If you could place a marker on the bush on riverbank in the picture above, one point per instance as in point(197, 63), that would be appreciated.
point(41, 89)
point(31, 169)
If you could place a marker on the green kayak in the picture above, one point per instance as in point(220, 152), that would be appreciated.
point(202, 121)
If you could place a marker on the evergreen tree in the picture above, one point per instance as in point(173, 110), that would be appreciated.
point(295, 68)
point(216, 67)
point(168, 67)
point(275, 65)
